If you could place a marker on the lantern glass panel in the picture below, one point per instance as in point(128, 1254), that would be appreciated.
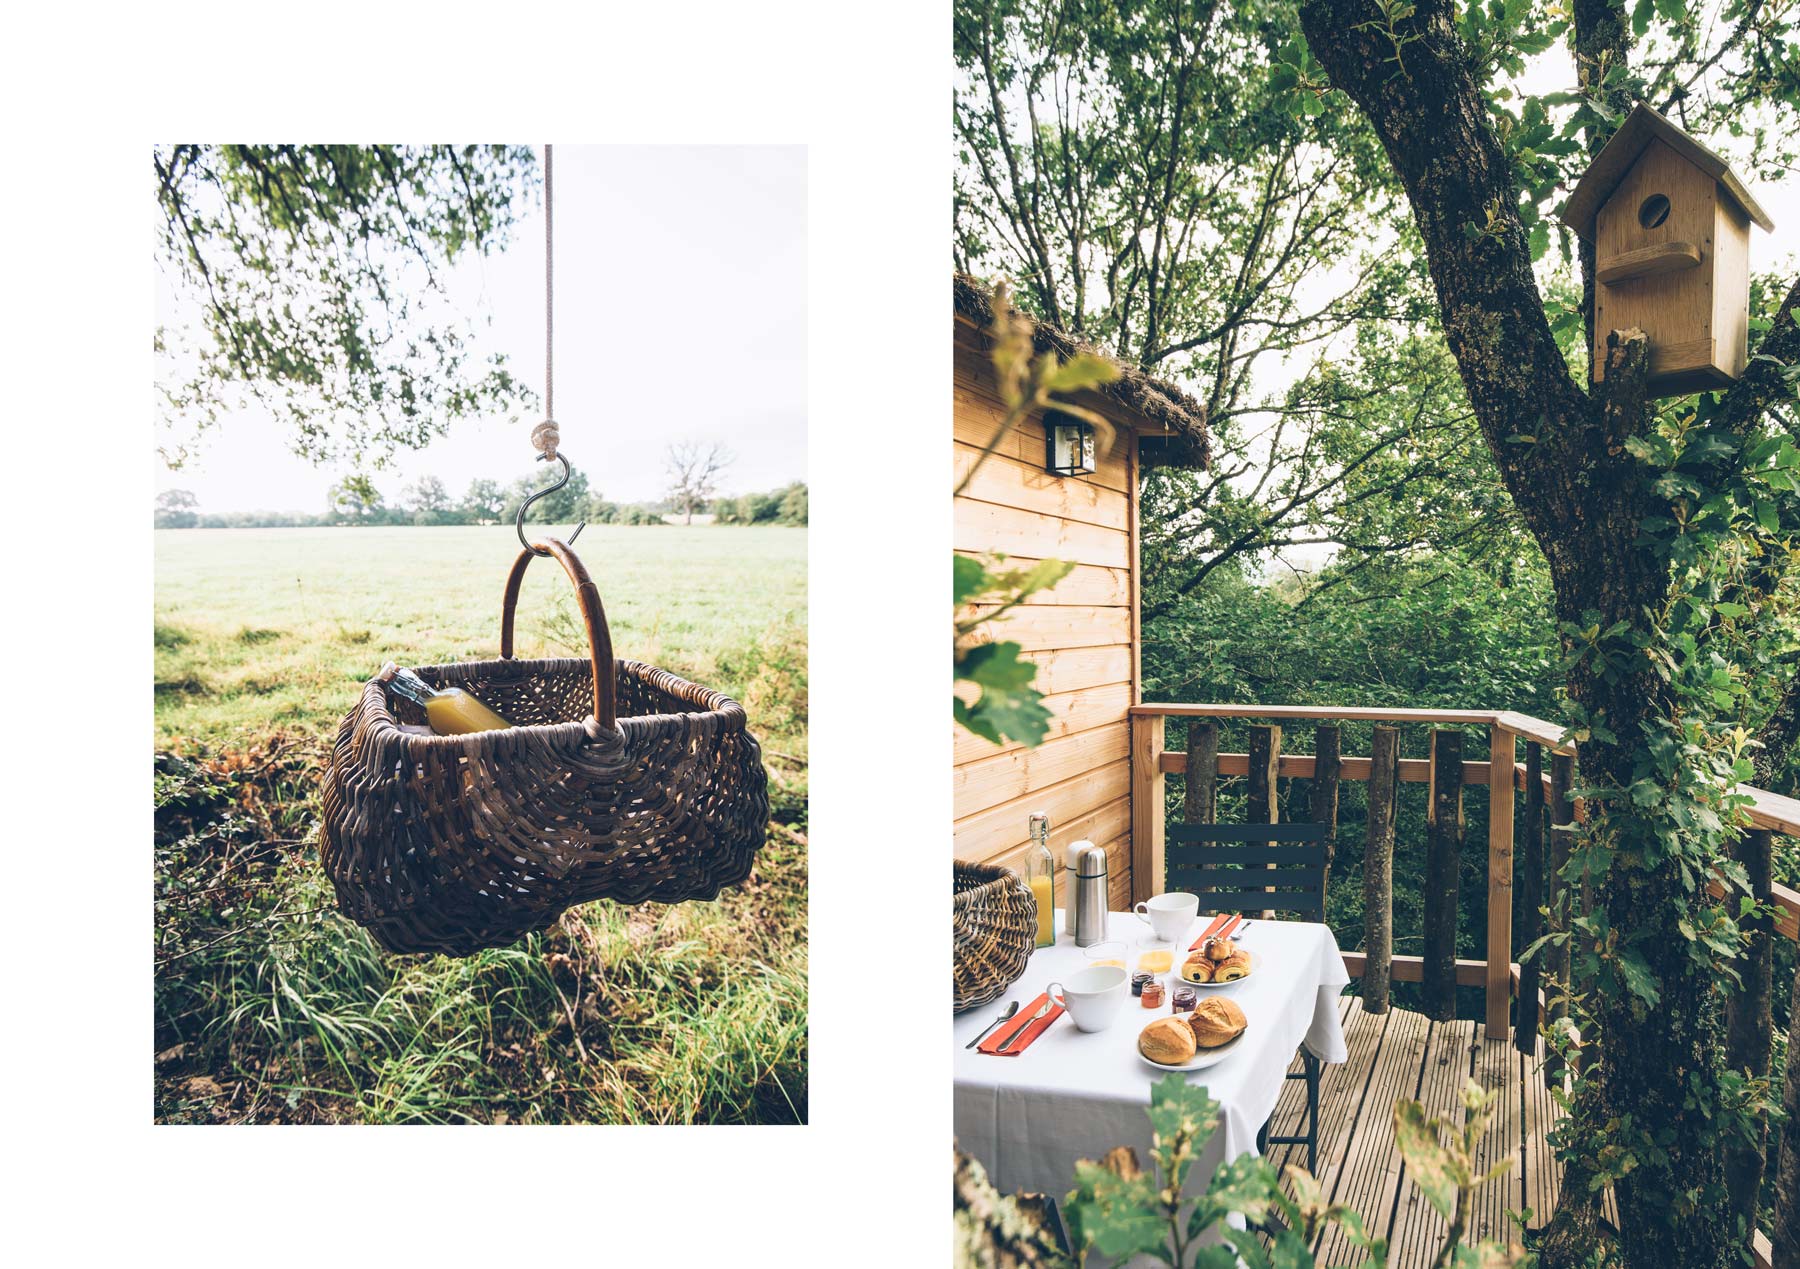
point(1071, 444)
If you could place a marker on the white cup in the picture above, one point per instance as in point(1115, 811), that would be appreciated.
point(1170, 914)
point(1093, 997)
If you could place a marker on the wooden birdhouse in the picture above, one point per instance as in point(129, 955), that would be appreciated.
point(1670, 225)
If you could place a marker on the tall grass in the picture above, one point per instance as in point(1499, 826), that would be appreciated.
point(270, 1007)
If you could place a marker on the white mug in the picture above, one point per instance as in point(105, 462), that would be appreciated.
point(1093, 997)
point(1169, 914)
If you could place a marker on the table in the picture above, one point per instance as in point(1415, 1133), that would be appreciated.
point(1073, 1096)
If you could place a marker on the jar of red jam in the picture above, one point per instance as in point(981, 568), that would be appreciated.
point(1183, 999)
point(1153, 994)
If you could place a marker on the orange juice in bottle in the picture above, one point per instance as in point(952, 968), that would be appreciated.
point(450, 710)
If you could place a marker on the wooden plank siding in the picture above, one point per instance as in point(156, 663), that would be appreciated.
point(1081, 633)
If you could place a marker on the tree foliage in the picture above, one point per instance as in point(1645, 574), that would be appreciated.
point(310, 281)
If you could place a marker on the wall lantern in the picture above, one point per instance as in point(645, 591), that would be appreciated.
point(1068, 444)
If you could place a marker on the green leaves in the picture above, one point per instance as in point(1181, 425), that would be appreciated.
point(1432, 1167)
point(1007, 708)
point(306, 280)
point(1080, 372)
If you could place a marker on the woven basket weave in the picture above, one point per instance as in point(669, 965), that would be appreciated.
point(629, 784)
point(995, 930)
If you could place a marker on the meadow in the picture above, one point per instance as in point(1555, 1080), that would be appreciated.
point(272, 1008)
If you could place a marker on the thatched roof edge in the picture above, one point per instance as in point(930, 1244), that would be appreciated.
point(1157, 401)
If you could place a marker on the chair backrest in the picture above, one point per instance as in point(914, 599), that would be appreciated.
point(1235, 867)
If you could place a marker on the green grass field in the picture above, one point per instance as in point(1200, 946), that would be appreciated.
point(272, 1008)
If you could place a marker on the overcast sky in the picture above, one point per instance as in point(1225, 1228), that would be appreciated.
point(680, 314)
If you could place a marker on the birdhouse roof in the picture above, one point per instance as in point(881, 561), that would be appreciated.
point(1159, 403)
point(1642, 126)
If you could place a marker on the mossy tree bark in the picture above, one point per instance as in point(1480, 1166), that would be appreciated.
point(1378, 869)
point(1562, 454)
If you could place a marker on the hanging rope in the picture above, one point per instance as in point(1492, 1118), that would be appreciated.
point(545, 437)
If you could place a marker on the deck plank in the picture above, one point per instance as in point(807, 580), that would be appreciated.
point(1497, 1067)
point(1543, 1174)
point(1418, 1229)
point(1366, 1167)
point(1403, 1055)
point(1341, 1098)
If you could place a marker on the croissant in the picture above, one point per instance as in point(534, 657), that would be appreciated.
point(1198, 968)
point(1169, 1041)
point(1221, 949)
point(1216, 1020)
point(1234, 967)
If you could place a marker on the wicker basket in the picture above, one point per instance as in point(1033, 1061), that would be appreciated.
point(617, 781)
point(995, 931)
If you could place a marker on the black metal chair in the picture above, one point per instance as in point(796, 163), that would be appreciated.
point(1253, 867)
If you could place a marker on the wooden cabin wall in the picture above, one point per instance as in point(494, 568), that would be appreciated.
point(1081, 634)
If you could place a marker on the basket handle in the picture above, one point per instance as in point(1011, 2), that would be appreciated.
point(599, 635)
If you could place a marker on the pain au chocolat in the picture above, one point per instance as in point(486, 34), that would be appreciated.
point(1169, 1041)
point(1216, 1020)
point(1198, 968)
point(1232, 968)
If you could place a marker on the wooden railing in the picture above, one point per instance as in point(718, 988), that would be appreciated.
point(1263, 763)
point(1547, 794)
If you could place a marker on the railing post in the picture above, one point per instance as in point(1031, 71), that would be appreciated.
point(1558, 898)
point(1147, 860)
point(1323, 800)
point(1749, 1024)
point(1265, 768)
point(1530, 870)
point(1443, 848)
point(1378, 870)
point(1201, 792)
point(1502, 751)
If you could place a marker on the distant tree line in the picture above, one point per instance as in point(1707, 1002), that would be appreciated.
point(356, 501)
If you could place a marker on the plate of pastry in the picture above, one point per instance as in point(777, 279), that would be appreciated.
point(1217, 963)
point(1194, 1041)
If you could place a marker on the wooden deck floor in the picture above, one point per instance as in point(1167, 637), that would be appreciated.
point(1405, 1055)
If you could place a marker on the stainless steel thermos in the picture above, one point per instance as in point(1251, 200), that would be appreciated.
point(1090, 894)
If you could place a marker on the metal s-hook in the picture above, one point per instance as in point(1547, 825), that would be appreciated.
point(519, 522)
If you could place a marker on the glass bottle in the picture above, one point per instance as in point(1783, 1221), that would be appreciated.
point(450, 710)
point(1040, 874)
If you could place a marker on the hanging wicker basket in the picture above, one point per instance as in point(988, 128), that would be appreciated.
point(995, 929)
point(617, 781)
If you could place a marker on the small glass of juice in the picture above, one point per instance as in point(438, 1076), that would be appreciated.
point(1105, 954)
point(1155, 956)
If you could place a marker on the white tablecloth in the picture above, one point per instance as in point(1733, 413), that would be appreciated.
point(1073, 1095)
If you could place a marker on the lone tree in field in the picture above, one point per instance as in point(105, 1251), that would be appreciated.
point(485, 500)
point(427, 499)
point(1669, 532)
point(310, 281)
point(177, 509)
point(694, 475)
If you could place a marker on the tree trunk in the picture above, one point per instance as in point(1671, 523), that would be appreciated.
point(1564, 459)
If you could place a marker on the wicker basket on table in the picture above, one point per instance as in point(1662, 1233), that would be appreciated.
point(617, 781)
point(995, 931)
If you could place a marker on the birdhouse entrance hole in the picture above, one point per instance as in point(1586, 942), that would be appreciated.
point(1653, 211)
